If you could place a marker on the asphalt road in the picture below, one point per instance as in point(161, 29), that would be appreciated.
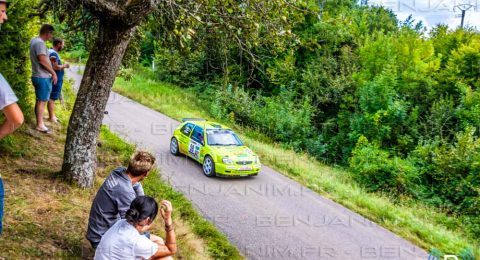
point(268, 216)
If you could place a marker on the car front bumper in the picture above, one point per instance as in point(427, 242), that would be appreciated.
point(230, 170)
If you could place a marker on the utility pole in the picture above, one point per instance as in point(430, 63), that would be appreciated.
point(463, 8)
point(153, 63)
point(321, 5)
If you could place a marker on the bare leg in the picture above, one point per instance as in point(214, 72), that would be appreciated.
point(51, 111)
point(39, 110)
point(14, 119)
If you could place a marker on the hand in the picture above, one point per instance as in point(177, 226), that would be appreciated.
point(54, 78)
point(166, 211)
point(67, 65)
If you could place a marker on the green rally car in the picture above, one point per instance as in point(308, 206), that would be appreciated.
point(216, 147)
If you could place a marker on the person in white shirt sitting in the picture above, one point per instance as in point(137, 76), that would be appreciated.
point(125, 239)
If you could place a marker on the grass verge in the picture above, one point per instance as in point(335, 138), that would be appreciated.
point(425, 226)
point(46, 217)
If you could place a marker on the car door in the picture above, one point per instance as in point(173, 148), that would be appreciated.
point(197, 141)
point(184, 137)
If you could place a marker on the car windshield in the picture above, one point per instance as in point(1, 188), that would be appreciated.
point(223, 137)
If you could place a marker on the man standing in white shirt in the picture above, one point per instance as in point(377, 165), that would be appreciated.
point(8, 105)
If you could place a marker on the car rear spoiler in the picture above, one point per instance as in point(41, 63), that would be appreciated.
point(193, 119)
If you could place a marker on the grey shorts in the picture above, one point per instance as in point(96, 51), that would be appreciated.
point(7, 96)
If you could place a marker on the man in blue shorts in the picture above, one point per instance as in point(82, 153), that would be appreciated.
point(59, 68)
point(42, 73)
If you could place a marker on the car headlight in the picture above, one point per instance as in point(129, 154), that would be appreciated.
point(227, 160)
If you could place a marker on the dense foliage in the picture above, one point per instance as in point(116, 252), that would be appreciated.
point(350, 85)
point(15, 37)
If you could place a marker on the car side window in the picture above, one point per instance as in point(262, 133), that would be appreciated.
point(187, 129)
point(197, 135)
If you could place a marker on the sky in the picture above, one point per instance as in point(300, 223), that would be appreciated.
point(433, 12)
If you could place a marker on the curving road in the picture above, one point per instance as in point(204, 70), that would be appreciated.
point(266, 217)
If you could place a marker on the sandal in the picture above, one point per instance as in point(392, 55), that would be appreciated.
point(43, 130)
point(55, 120)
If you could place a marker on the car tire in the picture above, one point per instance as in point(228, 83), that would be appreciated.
point(174, 148)
point(208, 166)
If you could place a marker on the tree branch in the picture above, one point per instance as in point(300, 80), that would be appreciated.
point(136, 10)
point(102, 7)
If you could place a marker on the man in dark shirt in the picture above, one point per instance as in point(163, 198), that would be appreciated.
point(59, 68)
point(114, 197)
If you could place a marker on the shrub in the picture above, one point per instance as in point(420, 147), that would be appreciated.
point(15, 36)
point(126, 73)
point(280, 117)
point(451, 172)
point(377, 170)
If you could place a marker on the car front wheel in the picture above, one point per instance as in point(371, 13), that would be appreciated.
point(208, 166)
point(174, 146)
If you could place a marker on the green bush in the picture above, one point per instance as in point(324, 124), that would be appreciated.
point(451, 176)
point(280, 117)
point(15, 36)
point(184, 70)
point(377, 170)
point(451, 172)
point(126, 73)
point(79, 55)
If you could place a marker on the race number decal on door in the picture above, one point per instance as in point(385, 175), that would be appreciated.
point(194, 149)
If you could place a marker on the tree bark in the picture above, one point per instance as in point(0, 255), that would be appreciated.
point(105, 58)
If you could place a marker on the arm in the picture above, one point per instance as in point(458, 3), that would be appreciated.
point(48, 66)
point(57, 67)
point(170, 247)
point(138, 188)
point(60, 67)
point(123, 199)
point(54, 59)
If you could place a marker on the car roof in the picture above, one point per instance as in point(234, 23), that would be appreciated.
point(208, 125)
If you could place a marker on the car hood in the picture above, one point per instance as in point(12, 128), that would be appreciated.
point(236, 153)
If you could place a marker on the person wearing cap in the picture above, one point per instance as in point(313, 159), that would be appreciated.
point(43, 74)
point(9, 107)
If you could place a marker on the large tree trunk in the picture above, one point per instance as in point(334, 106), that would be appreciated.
point(105, 57)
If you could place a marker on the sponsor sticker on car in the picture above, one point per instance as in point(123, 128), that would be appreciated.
point(194, 149)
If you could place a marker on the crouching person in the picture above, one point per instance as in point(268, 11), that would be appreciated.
point(116, 194)
point(126, 238)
